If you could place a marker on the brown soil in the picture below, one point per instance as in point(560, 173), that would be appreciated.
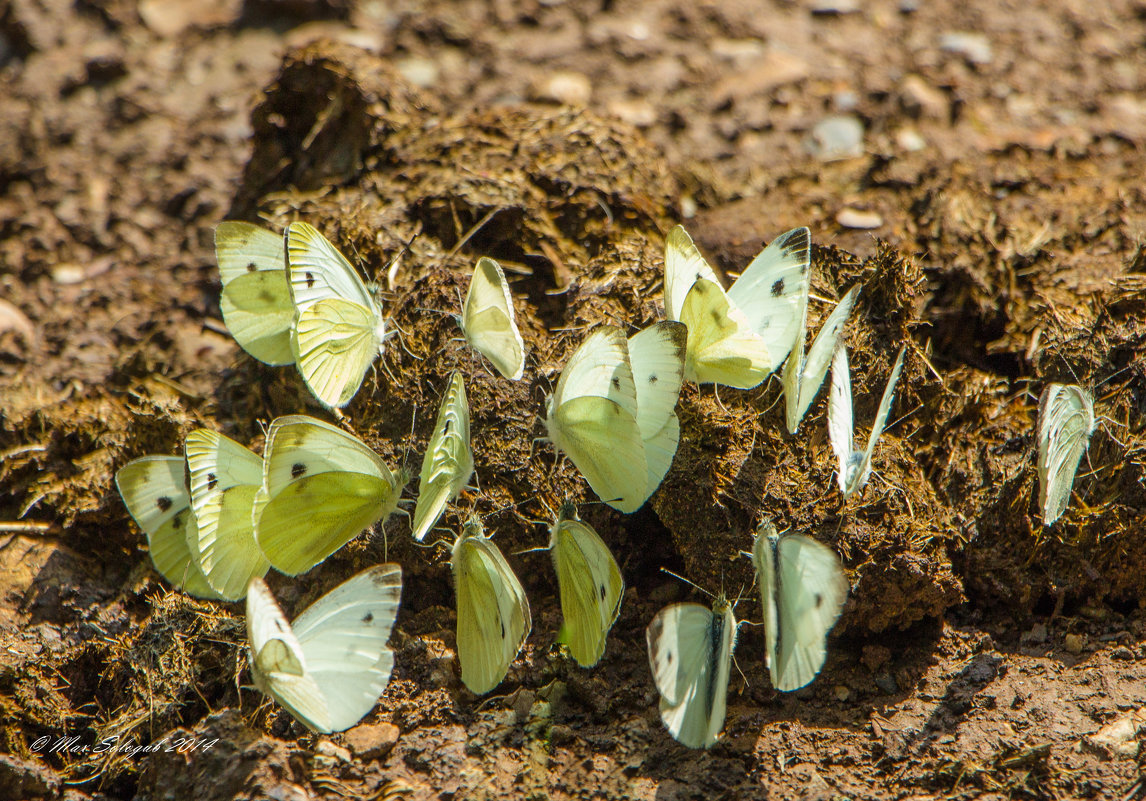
point(979, 653)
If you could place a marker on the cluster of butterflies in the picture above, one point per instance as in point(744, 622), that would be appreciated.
point(219, 517)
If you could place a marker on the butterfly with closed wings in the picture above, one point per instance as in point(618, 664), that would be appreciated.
point(488, 320)
point(855, 466)
point(332, 664)
point(1066, 422)
point(256, 300)
point(449, 461)
point(804, 375)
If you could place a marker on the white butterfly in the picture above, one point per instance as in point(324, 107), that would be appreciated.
point(690, 653)
point(803, 589)
point(493, 612)
point(224, 478)
point(154, 489)
point(448, 463)
point(590, 585)
point(321, 488)
point(804, 376)
point(1066, 421)
point(613, 410)
point(738, 337)
point(488, 320)
point(339, 331)
point(256, 301)
point(855, 466)
point(329, 667)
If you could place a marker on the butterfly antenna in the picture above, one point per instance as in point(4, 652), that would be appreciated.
point(686, 581)
point(716, 394)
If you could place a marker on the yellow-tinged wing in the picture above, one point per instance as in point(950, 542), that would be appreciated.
point(256, 300)
point(488, 320)
point(590, 585)
point(449, 461)
point(335, 343)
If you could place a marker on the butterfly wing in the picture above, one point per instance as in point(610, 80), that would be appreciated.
point(335, 343)
point(592, 417)
point(772, 292)
point(155, 493)
point(256, 301)
point(278, 664)
point(449, 461)
point(344, 637)
point(488, 320)
point(590, 584)
point(321, 488)
point(659, 452)
point(224, 479)
point(804, 376)
point(493, 612)
point(840, 425)
point(319, 271)
point(810, 592)
point(1066, 421)
point(656, 355)
point(684, 266)
point(880, 421)
point(722, 348)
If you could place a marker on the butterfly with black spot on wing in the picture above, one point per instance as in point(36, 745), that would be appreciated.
point(256, 301)
point(739, 337)
point(802, 590)
point(449, 460)
point(690, 655)
point(331, 665)
point(493, 612)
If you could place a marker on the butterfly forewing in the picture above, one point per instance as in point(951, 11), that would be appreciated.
point(488, 320)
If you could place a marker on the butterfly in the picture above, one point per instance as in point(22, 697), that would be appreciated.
point(855, 466)
point(493, 612)
point(802, 375)
point(590, 585)
point(690, 654)
point(339, 330)
point(613, 410)
point(737, 338)
point(488, 321)
point(802, 589)
point(448, 463)
point(332, 664)
point(1066, 422)
point(321, 488)
point(256, 300)
point(224, 478)
point(154, 489)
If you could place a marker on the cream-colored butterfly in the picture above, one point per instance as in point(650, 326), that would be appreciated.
point(737, 338)
point(613, 410)
point(493, 612)
point(331, 665)
point(690, 654)
point(590, 585)
point(448, 463)
point(339, 331)
point(488, 320)
point(154, 489)
point(803, 376)
point(256, 301)
point(224, 478)
point(321, 488)
point(802, 589)
point(1066, 421)
point(855, 466)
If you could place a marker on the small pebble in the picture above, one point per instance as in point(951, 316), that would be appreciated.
point(887, 683)
point(1075, 643)
point(421, 72)
point(834, 7)
point(974, 47)
point(910, 140)
point(566, 87)
point(841, 693)
point(836, 137)
point(858, 218)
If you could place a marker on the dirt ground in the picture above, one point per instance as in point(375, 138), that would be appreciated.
point(977, 166)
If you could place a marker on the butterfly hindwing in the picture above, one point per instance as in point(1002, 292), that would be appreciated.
point(256, 300)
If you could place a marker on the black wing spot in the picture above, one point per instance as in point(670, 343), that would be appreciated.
point(309, 280)
point(297, 470)
point(251, 267)
point(804, 268)
point(602, 592)
point(653, 378)
point(717, 317)
point(616, 382)
point(502, 624)
point(279, 625)
point(819, 600)
point(177, 521)
point(164, 503)
point(668, 657)
point(212, 481)
point(699, 276)
point(368, 618)
point(778, 288)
